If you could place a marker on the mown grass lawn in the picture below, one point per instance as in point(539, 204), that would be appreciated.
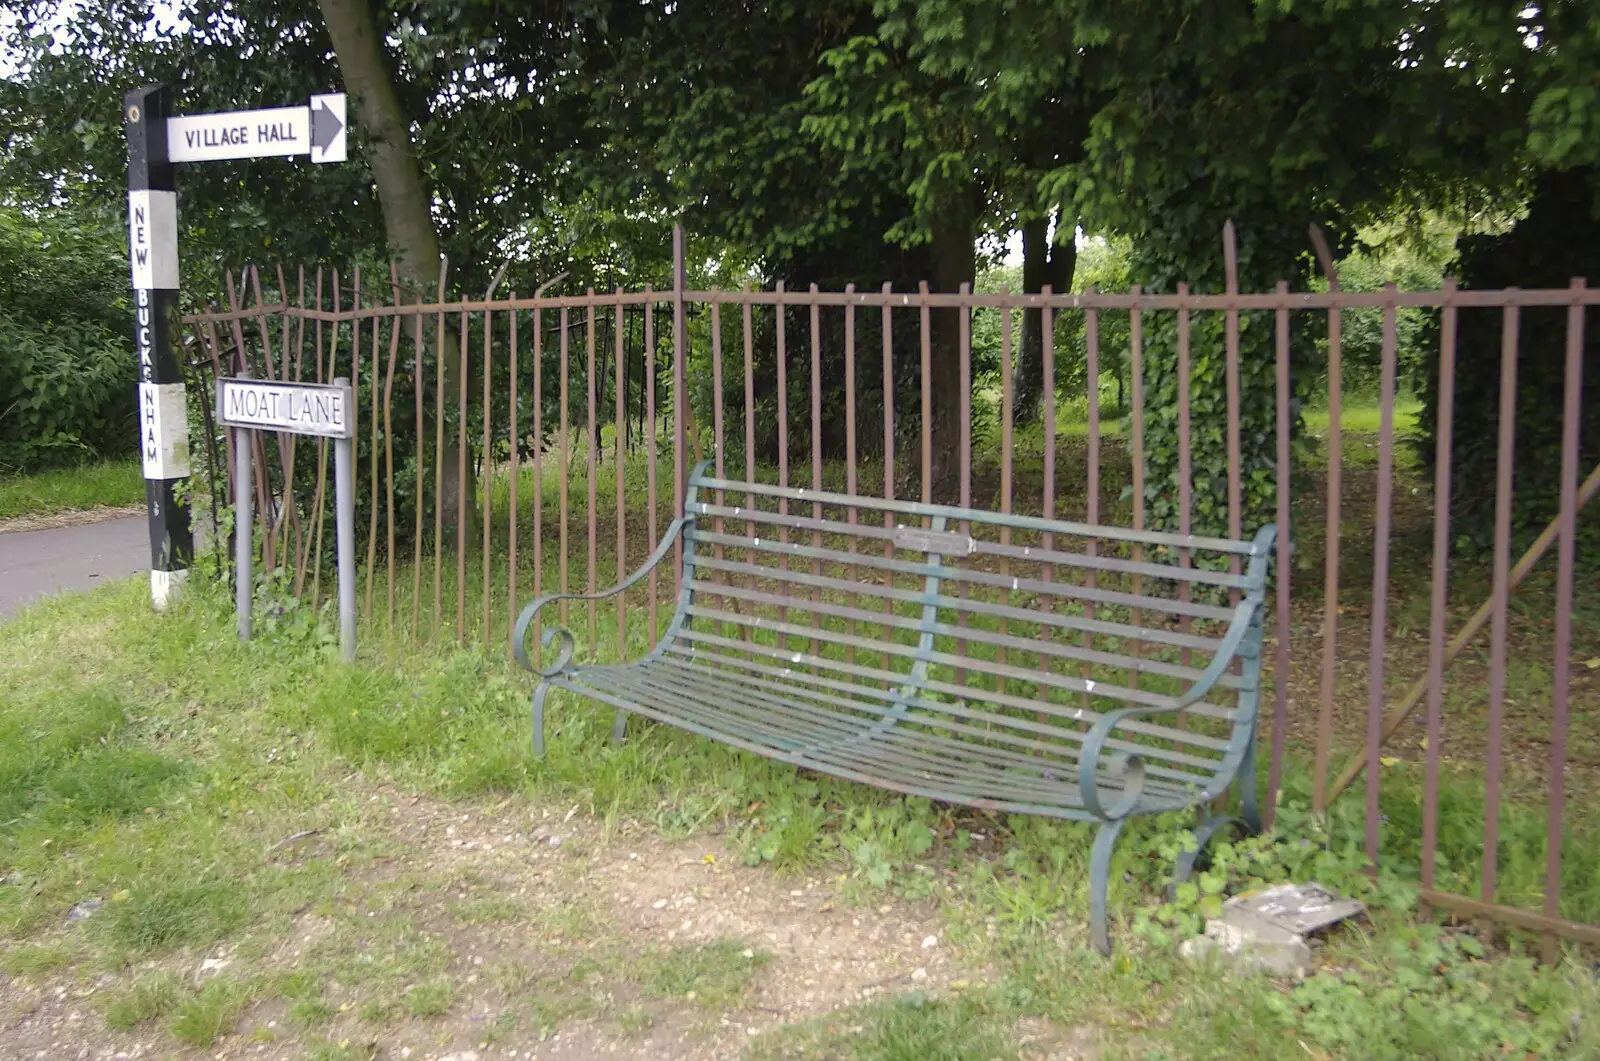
point(168, 795)
point(104, 484)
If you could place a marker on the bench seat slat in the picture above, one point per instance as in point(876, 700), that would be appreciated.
point(970, 635)
point(1085, 718)
point(1003, 728)
point(1061, 590)
point(1035, 554)
point(930, 768)
point(1001, 799)
point(1093, 687)
point(973, 605)
point(913, 508)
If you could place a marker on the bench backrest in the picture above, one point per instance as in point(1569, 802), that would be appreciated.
point(1011, 632)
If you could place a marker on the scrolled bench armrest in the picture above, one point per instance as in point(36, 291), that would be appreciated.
point(1127, 769)
point(525, 621)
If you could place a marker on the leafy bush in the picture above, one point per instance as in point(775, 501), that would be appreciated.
point(67, 364)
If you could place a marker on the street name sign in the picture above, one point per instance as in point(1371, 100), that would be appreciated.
point(317, 130)
point(157, 138)
point(300, 408)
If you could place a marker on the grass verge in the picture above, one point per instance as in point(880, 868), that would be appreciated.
point(107, 484)
point(154, 772)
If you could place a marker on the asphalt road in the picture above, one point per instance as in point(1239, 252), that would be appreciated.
point(34, 564)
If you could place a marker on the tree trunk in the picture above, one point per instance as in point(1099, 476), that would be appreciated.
point(404, 198)
point(1042, 265)
point(954, 264)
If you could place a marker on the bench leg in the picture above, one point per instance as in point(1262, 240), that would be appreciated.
point(1249, 803)
point(1248, 823)
point(1099, 882)
point(619, 728)
point(539, 694)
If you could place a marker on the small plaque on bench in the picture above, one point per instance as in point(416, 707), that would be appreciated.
point(919, 539)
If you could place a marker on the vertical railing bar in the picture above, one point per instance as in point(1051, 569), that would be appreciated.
point(1510, 323)
point(816, 455)
point(1380, 576)
point(1091, 334)
point(1566, 558)
point(322, 450)
point(747, 318)
point(214, 349)
point(1443, 445)
point(566, 454)
point(538, 464)
point(374, 503)
point(1282, 568)
point(313, 518)
point(461, 481)
point(1230, 255)
point(717, 426)
point(299, 368)
point(680, 384)
point(438, 454)
point(418, 381)
point(851, 514)
point(1047, 393)
point(591, 430)
point(1185, 465)
point(964, 457)
point(650, 440)
point(1008, 412)
point(888, 437)
point(926, 373)
point(395, 328)
point(1231, 382)
point(261, 506)
point(619, 387)
point(1333, 530)
point(783, 440)
point(270, 523)
point(1136, 381)
point(514, 437)
point(486, 464)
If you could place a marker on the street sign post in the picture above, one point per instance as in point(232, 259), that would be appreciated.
point(157, 140)
point(246, 405)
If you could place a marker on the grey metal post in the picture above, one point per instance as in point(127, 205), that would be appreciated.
point(243, 527)
point(345, 510)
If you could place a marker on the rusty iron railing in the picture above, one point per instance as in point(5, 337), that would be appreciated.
point(1328, 696)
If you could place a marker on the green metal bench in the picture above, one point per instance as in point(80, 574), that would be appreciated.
point(1006, 662)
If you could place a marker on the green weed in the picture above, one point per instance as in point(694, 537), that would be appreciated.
point(149, 998)
point(716, 974)
point(210, 1013)
point(430, 999)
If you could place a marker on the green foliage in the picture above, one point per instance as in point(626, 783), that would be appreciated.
point(1426, 991)
point(1413, 258)
point(1300, 847)
point(67, 368)
point(1553, 243)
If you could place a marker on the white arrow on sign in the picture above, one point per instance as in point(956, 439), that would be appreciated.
point(317, 130)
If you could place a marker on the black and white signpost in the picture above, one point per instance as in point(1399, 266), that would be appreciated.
point(156, 140)
point(246, 405)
